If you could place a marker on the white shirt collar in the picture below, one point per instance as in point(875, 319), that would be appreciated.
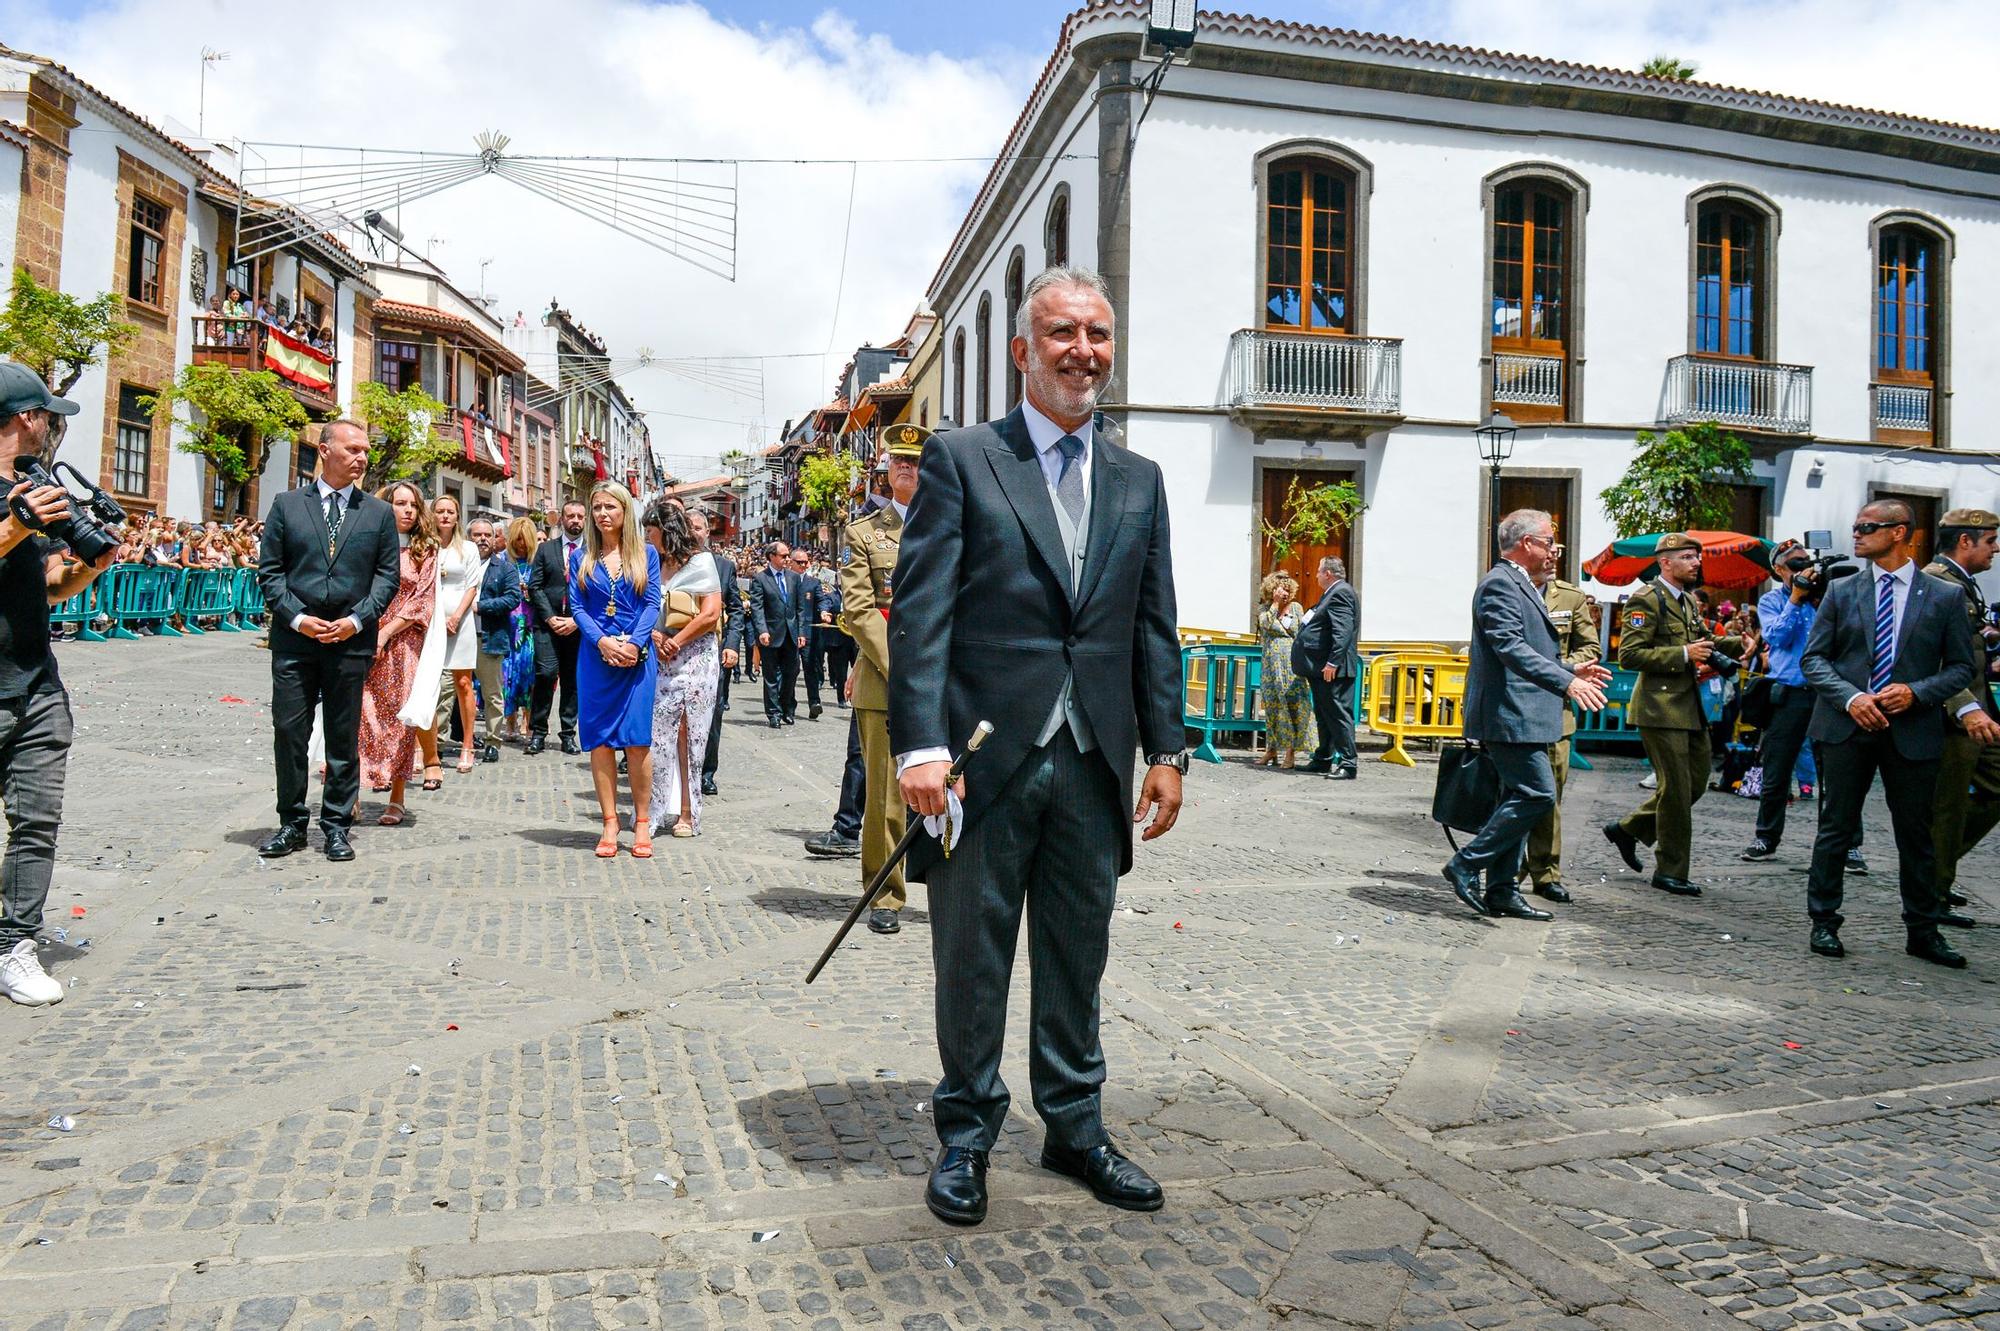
point(1904, 575)
point(346, 492)
point(1670, 588)
point(902, 510)
point(1045, 434)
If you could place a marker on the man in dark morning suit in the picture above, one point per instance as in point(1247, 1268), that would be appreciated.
point(1515, 693)
point(1327, 655)
point(329, 567)
point(1034, 590)
point(781, 615)
point(1888, 650)
point(732, 647)
point(556, 635)
point(1968, 799)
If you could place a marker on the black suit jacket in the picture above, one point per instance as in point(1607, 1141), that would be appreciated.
point(984, 626)
point(359, 578)
point(732, 605)
point(767, 609)
point(1936, 656)
point(548, 584)
point(1331, 634)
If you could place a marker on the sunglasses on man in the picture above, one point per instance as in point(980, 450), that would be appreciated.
point(1870, 528)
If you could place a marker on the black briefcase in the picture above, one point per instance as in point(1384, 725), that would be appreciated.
point(1468, 787)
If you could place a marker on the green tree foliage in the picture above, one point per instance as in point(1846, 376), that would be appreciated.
point(1679, 481)
point(1669, 67)
point(58, 336)
point(403, 433)
point(1313, 514)
point(235, 419)
point(825, 481)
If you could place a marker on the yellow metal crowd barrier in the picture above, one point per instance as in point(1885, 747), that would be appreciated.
point(1415, 694)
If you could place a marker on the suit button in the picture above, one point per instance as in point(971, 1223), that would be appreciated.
point(1070, 641)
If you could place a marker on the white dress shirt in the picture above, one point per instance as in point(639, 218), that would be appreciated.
point(347, 497)
point(1903, 581)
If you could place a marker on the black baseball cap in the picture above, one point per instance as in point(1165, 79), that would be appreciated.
point(21, 389)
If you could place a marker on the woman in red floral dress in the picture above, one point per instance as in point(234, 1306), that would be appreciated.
point(388, 745)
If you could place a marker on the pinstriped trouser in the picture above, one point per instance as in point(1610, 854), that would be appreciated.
point(1051, 840)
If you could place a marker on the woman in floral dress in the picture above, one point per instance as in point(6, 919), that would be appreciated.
point(388, 745)
point(689, 675)
point(1288, 712)
point(517, 671)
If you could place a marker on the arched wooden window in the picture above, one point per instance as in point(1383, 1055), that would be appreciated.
point(1309, 246)
point(1015, 281)
point(1531, 224)
point(982, 347)
point(1732, 264)
point(1906, 305)
point(1055, 231)
point(958, 378)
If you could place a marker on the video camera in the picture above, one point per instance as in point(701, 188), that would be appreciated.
point(1822, 567)
point(83, 528)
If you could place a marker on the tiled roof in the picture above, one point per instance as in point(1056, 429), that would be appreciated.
point(424, 316)
point(77, 85)
point(1474, 60)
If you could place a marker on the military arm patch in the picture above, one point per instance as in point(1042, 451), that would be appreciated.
point(1636, 619)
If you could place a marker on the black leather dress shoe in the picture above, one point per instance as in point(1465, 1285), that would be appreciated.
point(1628, 845)
point(1680, 887)
point(1464, 885)
point(1930, 946)
point(1344, 774)
point(1555, 892)
point(956, 1193)
point(882, 920)
point(708, 785)
point(814, 714)
point(538, 743)
point(1826, 942)
point(491, 754)
point(569, 745)
point(337, 848)
point(1955, 899)
point(1511, 905)
point(1112, 1178)
point(791, 720)
point(776, 724)
point(283, 842)
point(1957, 921)
point(1311, 765)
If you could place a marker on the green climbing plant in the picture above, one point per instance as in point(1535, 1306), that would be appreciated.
point(1313, 515)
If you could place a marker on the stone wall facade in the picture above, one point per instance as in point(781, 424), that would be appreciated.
point(38, 238)
point(148, 361)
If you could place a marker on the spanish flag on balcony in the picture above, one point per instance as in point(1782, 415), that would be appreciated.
point(288, 356)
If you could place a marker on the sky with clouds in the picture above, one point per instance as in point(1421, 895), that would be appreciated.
point(904, 79)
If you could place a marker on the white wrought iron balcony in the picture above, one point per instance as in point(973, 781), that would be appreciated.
point(1774, 399)
point(1903, 407)
point(1269, 369)
point(1527, 381)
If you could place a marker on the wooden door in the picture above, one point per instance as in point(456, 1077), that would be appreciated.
point(1553, 495)
point(1923, 532)
point(1304, 561)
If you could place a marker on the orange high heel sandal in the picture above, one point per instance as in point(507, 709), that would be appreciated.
point(607, 845)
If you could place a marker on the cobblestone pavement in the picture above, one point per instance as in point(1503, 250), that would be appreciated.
point(478, 1078)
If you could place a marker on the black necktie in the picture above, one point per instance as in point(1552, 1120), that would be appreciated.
point(333, 507)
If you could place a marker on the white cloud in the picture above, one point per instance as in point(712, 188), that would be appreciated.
point(603, 77)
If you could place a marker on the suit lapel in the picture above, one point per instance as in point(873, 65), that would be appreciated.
point(1019, 472)
point(1918, 597)
point(311, 493)
point(349, 510)
point(1107, 512)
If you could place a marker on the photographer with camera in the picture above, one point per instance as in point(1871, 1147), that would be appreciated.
point(37, 570)
point(1786, 613)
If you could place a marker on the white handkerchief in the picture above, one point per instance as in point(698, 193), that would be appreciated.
point(945, 826)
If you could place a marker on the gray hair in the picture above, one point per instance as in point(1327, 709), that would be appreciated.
point(1521, 524)
point(1062, 275)
point(1335, 565)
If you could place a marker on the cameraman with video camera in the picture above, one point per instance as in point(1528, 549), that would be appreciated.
point(1786, 612)
point(36, 572)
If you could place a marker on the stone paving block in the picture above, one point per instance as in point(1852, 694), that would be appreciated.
point(582, 1252)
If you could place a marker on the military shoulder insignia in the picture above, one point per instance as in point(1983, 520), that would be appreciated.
point(1636, 620)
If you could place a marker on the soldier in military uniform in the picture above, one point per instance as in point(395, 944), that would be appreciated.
point(1968, 790)
point(1667, 642)
point(1576, 639)
point(865, 584)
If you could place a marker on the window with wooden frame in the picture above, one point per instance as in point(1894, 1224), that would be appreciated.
point(1531, 268)
point(1055, 232)
point(148, 237)
point(398, 364)
point(1015, 278)
point(1730, 265)
point(982, 347)
point(1308, 247)
point(958, 377)
point(1906, 305)
point(132, 450)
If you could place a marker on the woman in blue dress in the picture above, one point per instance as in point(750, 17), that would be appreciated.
point(614, 594)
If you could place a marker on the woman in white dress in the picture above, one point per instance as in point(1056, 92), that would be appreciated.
point(690, 609)
point(459, 570)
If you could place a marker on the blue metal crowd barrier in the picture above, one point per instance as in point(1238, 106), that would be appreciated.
point(129, 594)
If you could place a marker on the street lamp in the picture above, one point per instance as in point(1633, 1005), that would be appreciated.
point(1496, 444)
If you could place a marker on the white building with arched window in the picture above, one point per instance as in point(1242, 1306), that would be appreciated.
point(1333, 254)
